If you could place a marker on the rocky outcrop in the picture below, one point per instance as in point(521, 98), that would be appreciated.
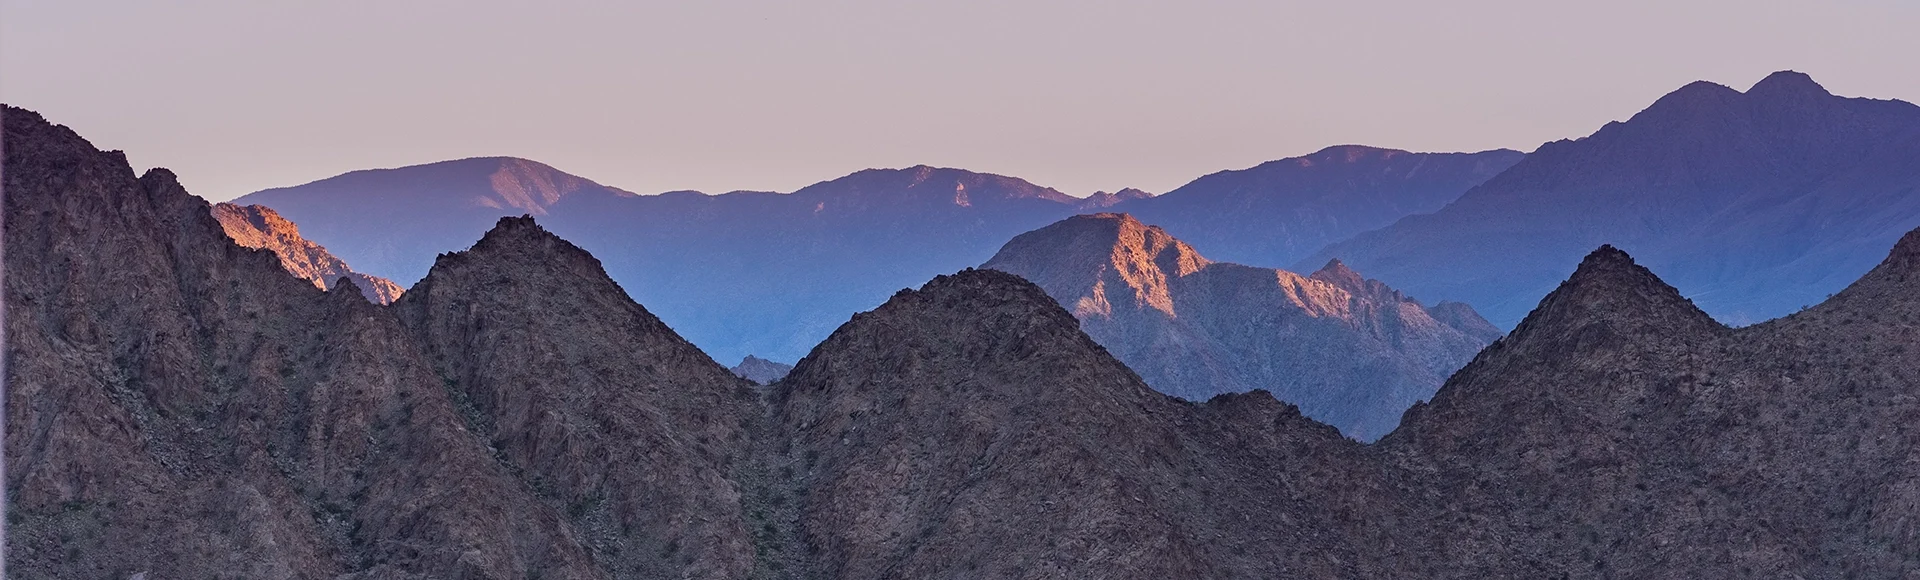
point(760, 370)
point(1349, 351)
point(259, 227)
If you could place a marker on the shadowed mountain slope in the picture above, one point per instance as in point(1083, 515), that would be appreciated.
point(257, 226)
point(1759, 203)
point(1620, 431)
point(969, 429)
point(1349, 351)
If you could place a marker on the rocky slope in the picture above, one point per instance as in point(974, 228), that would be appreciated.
point(1350, 352)
point(259, 227)
point(1758, 203)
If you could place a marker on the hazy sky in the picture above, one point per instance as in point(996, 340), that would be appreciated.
point(720, 95)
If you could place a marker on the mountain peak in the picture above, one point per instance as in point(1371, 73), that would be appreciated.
point(1337, 273)
point(522, 240)
point(1102, 199)
point(1122, 258)
point(1610, 291)
point(1788, 82)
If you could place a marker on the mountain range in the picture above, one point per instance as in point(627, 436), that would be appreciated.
point(1759, 202)
point(1350, 352)
point(180, 406)
point(770, 274)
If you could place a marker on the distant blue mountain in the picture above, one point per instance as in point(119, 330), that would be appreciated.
point(1278, 212)
point(771, 274)
point(1752, 203)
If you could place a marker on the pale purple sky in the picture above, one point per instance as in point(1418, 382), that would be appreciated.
point(720, 95)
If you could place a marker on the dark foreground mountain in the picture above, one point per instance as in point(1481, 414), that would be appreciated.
point(182, 406)
point(259, 227)
point(772, 274)
point(1758, 203)
point(1279, 212)
point(1350, 352)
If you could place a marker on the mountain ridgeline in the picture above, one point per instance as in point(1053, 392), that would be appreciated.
point(180, 406)
point(771, 274)
point(1758, 203)
point(1349, 351)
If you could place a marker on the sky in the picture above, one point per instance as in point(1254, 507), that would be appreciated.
point(721, 95)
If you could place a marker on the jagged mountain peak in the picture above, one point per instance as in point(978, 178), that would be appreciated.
point(1092, 261)
point(1338, 274)
point(1609, 291)
point(518, 235)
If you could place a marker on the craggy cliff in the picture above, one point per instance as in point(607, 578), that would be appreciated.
point(182, 406)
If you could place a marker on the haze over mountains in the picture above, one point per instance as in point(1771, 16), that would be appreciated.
point(1758, 203)
point(1349, 351)
point(771, 274)
point(182, 407)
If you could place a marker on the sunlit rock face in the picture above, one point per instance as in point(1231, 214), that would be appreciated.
point(258, 226)
point(1349, 351)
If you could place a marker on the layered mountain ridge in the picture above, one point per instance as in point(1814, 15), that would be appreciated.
point(771, 274)
point(1349, 351)
point(180, 406)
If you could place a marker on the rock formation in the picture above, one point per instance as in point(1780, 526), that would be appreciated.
point(259, 227)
